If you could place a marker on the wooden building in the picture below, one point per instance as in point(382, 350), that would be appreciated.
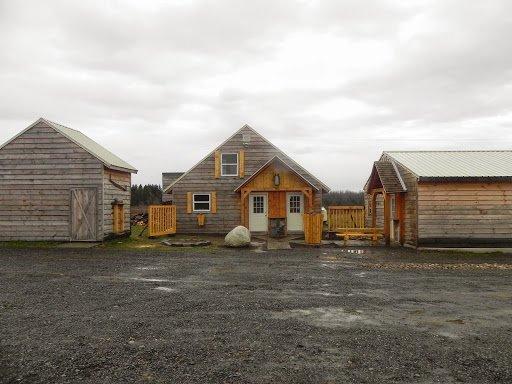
point(442, 198)
point(58, 184)
point(245, 181)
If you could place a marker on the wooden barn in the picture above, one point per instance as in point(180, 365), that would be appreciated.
point(244, 181)
point(442, 198)
point(58, 184)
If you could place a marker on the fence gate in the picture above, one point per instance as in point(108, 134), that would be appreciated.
point(346, 216)
point(313, 225)
point(161, 220)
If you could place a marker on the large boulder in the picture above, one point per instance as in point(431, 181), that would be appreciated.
point(238, 237)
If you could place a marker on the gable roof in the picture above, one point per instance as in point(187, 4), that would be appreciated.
point(101, 153)
point(246, 126)
point(455, 164)
point(387, 174)
point(272, 160)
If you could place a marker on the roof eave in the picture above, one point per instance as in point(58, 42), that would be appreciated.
point(464, 179)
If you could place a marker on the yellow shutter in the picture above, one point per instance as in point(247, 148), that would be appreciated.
point(217, 164)
point(213, 202)
point(189, 202)
point(241, 163)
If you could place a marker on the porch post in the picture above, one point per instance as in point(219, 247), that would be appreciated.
point(387, 216)
point(374, 209)
point(400, 206)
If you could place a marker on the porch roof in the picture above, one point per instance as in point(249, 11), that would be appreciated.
point(271, 161)
point(385, 175)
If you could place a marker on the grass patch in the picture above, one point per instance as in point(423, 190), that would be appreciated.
point(17, 244)
point(139, 240)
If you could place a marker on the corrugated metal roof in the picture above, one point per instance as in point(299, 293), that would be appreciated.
point(95, 149)
point(455, 163)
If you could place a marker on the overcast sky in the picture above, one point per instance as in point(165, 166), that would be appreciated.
point(333, 82)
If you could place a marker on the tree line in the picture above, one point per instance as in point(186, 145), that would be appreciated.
point(343, 198)
point(146, 194)
point(152, 194)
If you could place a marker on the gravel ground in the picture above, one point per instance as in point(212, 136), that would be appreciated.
point(227, 316)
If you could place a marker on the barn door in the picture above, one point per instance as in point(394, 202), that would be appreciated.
point(83, 214)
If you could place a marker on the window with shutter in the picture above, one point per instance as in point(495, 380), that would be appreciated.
point(201, 202)
point(229, 164)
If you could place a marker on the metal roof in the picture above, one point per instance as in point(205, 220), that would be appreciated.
point(101, 153)
point(455, 164)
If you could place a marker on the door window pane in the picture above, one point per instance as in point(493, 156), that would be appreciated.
point(295, 204)
point(258, 204)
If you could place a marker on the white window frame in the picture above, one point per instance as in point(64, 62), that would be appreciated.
point(222, 163)
point(209, 202)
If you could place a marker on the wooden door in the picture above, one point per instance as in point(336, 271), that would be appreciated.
point(258, 220)
point(295, 211)
point(118, 218)
point(84, 221)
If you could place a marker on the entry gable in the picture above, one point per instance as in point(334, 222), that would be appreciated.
point(276, 175)
point(385, 175)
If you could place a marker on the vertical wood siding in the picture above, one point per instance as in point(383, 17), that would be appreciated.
point(202, 179)
point(465, 214)
point(37, 171)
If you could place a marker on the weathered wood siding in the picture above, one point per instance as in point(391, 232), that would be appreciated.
point(411, 212)
point(380, 210)
point(37, 171)
point(201, 179)
point(411, 207)
point(111, 192)
point(465, 214)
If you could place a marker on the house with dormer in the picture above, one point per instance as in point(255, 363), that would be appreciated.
point(246, 181)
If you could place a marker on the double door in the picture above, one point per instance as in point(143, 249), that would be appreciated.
point(289, 205)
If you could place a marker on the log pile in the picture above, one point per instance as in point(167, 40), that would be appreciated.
point(139, 219)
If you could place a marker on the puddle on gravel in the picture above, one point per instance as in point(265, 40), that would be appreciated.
point(166, 289)
point(149, 268)
point(149, 280)
point(330, 317)
point(436, 318)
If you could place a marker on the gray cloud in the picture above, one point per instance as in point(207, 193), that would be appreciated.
point(332, 82)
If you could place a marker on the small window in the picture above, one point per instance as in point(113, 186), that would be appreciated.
point(229, 164)
point(294, 204)
point(258, 204)
point(201, 202)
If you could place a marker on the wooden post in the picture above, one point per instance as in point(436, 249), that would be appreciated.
point(400, 206)
point(374, 209)
point(387, 217)
point(244, 193)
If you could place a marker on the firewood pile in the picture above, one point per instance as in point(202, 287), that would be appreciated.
point(139, 219)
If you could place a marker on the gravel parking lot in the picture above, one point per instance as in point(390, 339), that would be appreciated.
point(227, 316)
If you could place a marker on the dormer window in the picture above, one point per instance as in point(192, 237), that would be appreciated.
point(229, 164)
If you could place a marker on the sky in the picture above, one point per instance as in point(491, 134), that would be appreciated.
point(333, 83)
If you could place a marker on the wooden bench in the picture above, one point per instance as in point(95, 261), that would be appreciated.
point(373, 234)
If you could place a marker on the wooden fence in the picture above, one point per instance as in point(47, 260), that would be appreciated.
point(161, 220)
point(313, 225)
point(346, 216)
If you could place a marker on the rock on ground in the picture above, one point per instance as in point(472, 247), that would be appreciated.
point(238, 237)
